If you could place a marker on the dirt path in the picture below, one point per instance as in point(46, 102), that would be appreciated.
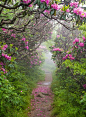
point(43, 97)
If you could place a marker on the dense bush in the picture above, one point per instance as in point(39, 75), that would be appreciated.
point(69, 80)
point(15, 89)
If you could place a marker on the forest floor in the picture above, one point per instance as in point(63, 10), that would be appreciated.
point(43, 98)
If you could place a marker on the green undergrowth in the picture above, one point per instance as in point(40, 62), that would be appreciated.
point(69, 97)
point(16, 88)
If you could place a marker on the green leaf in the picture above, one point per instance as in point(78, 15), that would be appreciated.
point(16, 4)
point(35, 2)
point(41, 6)
point(52, 12)
point(11, 45)
point(16, 48)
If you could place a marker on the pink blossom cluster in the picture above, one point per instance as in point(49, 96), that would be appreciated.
point(76, 40)
point(57, 49)
point(2, 64)
point(26, 1)
point(84, 86)
point(4, 47)
point(6, 56)
point(23, 39)
point(68, 56)
point(35, 60)
point(13, 35)
point(84, 39)
point(68, 10)
point(81, 44)
point(26, 43)
point(46, 1)
point(79, 11)
point(47, 11)
point(55, 6)
point(58, 36)
point(74, 4)
point(3, 70)
point(4, 30)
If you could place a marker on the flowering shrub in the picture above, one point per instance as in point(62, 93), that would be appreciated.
point(69, 84)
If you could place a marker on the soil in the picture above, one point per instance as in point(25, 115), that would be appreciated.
point(43, 98)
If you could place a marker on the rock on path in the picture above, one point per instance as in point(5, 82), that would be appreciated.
point(43, 97)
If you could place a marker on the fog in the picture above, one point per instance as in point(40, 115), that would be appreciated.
point(49, 65)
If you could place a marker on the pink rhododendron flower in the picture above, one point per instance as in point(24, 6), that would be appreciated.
point(47, 11)
point(26, 1)
point(79, 11)
point(23, 39)
point(1, 63)
point(42, 0)
point(84, 38)
point(70, 55)
point(84, 86)
point(58, 36)
point(40, 61)
point(56, 49)
point(3, 29)
point(3, 69)
point(27, 47)
point(76, 40)
point(81, 44)
point(76, 47)
point(4, 47)
point(68, 10)
point(64, 58)
point(75, 4)
point(72, 58)
point(47, 1)
point(6, 56)
point(55, 6)
point(13, 35)
point(26, 42)
point(30, 5)
point(3, 54)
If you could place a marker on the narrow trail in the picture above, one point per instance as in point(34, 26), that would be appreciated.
point(43, 97)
